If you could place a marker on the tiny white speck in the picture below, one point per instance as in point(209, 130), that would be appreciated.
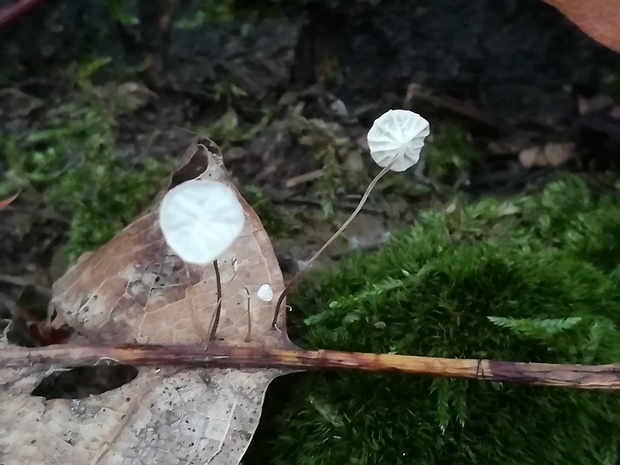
point(265, 293)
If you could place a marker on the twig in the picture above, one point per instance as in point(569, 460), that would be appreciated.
point(366, 248)
point(593, 377)
point(464, 109)
point(22, 281)
point(6, 202)
point(303, 178)
point(15, 11)
point(307, 202)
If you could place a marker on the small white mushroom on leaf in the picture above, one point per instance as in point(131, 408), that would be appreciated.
point(200, 219)
point(395, 141)
point(160, 415)
point(265, 293)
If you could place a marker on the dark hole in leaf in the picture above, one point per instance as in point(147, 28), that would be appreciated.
point(210, 145)
point(194, 168)
point(81, 382)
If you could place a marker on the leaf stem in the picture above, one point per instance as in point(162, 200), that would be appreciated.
point(16, 10)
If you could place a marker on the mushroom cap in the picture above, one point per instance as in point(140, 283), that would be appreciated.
point(400, 134)
point(265, 293)
point(200, 219)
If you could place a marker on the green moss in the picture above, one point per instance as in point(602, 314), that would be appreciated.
point(73, 169)
point(610, 82)
point(529, 280)
point(209, 11)
point(121, 13)
point(228, 130)
point(451, 155)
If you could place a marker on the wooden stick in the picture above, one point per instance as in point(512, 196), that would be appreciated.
point(303, 178)
point(537, 374)
point(14, 11)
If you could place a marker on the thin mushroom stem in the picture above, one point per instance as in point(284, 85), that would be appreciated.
point(310, 262)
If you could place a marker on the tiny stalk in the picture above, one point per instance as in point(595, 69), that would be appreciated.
point(334, 236)
point(395, 141)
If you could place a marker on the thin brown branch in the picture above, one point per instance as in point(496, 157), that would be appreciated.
point(23, 281)
point(16, 10)
point(538, 374)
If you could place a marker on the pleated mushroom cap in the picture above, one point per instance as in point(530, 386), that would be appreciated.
point(397, 134)
point(200, 219)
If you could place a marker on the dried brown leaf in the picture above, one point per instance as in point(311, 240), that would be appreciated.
point(554, 154)
point(600, 19)
point(135, 290)
point(528, 157)
point(6, 202)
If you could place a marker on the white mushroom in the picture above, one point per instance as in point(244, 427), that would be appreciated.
point(265, 293)
point(395, 141)
point(200, 219)
point(397, 137)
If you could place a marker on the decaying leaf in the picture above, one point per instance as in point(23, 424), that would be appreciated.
point(600, 19)
point(5, 202)
point(548, 155)
point(135, 290)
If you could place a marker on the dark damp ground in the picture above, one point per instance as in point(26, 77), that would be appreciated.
point(290, 99)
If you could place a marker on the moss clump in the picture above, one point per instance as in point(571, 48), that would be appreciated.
point(72, 168)
point(209, 11)
point(610, 82)
point(451, 155)
point(530, 280)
